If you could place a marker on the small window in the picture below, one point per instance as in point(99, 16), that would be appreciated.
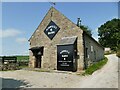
point(86, 53)
point(91, 48)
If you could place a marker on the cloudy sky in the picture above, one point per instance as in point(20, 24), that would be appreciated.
point(19, 20)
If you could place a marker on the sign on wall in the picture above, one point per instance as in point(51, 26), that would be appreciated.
point(51, 30)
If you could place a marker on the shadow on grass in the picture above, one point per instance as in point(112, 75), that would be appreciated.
point(11, 84)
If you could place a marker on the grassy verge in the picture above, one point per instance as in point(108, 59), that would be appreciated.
point(95, 67)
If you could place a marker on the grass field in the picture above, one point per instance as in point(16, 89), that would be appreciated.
point(20, 58)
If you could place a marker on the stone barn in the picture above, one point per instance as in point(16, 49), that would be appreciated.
point(59, 44)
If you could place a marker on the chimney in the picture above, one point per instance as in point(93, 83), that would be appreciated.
point(78, 22)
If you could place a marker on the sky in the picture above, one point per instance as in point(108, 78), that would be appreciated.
point(20, 20)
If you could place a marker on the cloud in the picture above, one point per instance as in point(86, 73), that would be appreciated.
point(9, 33)
point(96, 38)
point(96, 30)
point(21, 40)
point(25, 52)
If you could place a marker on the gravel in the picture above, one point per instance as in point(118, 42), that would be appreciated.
point(107, 77)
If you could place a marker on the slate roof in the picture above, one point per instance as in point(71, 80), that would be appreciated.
point(35, 48)
point(68, 40)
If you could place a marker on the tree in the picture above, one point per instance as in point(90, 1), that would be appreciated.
point(109, 34)
point(86, 29)
point(83, 27)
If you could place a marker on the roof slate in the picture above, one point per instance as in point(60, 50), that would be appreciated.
point(68, 40)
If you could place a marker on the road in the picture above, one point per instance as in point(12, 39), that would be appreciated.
point(107, 77)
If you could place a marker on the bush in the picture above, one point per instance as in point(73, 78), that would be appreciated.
point(118, 53)
point(95, 66)
point(107, 53)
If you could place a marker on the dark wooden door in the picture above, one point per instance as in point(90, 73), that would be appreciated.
point(65, 57)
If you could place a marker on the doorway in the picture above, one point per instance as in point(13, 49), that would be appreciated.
point(38, 61)
point(67, 54)
point(86, 58)
point(38, 53)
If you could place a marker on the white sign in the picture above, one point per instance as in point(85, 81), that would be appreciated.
point(50, 27)
point(63, 51)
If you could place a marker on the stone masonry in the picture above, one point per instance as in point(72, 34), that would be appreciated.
point(67, 29)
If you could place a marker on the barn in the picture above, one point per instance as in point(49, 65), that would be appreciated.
point(59, 44)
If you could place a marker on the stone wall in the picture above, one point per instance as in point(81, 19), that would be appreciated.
point(67, 29)
point(95, 51)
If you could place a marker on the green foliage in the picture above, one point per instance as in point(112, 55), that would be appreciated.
point(118, 53)
point(95, 66)
point(86, 29)
point(109, 34)
point(107, 53)
point(110, 52)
